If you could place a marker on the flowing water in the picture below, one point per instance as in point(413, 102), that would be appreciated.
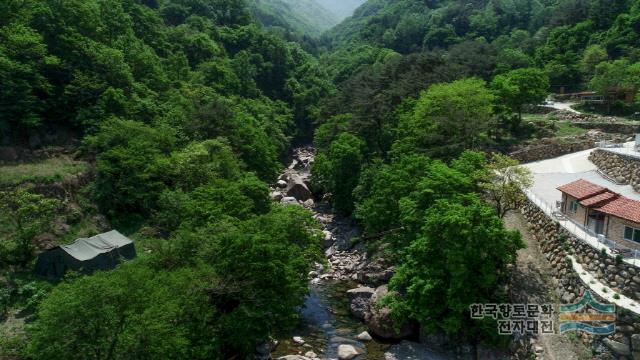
point(325, 320)
point(326, 323)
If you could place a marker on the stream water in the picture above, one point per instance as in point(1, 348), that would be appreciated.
point(325, 320)
point(325, 324)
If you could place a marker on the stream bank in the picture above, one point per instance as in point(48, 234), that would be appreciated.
point(339, 299)
point(326, 322)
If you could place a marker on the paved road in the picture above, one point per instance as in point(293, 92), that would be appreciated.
point(566, 106)
point(551, 173)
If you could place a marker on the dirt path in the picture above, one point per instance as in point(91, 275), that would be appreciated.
point(532, 282)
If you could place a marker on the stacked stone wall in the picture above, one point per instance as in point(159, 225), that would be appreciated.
point(620, 168)
point(557, 244)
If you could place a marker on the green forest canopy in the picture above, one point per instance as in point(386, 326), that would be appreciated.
point(187, 107)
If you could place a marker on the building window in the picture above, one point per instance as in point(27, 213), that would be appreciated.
point(631, 234)
point(573, 207)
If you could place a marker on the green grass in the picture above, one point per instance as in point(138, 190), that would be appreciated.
point(563, 128)
point(46, 171)
point(568, 129)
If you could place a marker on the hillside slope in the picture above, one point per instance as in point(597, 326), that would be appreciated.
point(341, 8)
point(305, 17)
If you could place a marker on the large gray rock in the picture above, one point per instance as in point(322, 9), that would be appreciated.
point(635, 341)
point(298, 189)
point(360, 299)
point(376, 273)
point(348, 352)
point(407, 350)
point(618, 348)
point(289, 201)
point(380, 321)
point(276, 195)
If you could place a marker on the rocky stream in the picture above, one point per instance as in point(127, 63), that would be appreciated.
point(338, 320)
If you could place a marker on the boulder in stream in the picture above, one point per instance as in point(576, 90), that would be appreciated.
point(380, 321)
point(297, 188)
point(289, 201)
point(348, 352)
point(360, 299)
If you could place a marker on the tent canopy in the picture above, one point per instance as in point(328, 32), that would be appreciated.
point(100, 252)
point(88, 248)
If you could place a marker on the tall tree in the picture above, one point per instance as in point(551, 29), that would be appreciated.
point(26, 215)
point(448, 118)
point(521, 87)
point(506, 180)
point(461, 257)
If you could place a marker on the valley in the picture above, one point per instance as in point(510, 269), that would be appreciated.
point(319, 179)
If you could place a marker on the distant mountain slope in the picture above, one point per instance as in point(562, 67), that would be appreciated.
point(306, 17)
point(341, 8)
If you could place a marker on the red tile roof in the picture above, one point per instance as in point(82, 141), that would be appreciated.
point(582, 189)
point(600, 199)
point(623, 207)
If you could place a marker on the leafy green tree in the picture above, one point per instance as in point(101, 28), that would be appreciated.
point(521, 87)
point(593, 55)
point(338, 170)
point(25, 215)
point(109, 316)
point(448, 118)
point(262, 260)
point(327, 132)
point(441, 277)
point(23, 62)
point(616, 77)
point(506, 180)
point(128, 177)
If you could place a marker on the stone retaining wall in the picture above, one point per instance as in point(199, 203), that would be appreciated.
point(622, 169)
point(548, 151)
point(610, 127)
point(556, 243)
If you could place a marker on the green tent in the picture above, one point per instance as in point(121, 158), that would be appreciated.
point(100, 252)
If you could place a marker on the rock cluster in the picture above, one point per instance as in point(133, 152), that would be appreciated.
point(364, 304)
point(292, 187)
point(556, 244)
point(622, 169)
point(565, 115)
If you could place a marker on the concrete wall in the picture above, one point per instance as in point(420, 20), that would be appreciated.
point(556, 244)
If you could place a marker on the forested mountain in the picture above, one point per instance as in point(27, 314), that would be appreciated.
point(549, 34)
point(420, 85)
point(306, 17)
point(341, 8)
point(183, 111)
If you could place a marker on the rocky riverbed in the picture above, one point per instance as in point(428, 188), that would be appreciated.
point(338, 315)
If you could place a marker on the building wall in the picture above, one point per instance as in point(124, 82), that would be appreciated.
point(616, 231)
point(580, 215)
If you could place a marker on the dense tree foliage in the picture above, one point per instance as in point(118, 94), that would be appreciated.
point(186, 108)
point(434, 278)
point(208, 294)
point(23, 215)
